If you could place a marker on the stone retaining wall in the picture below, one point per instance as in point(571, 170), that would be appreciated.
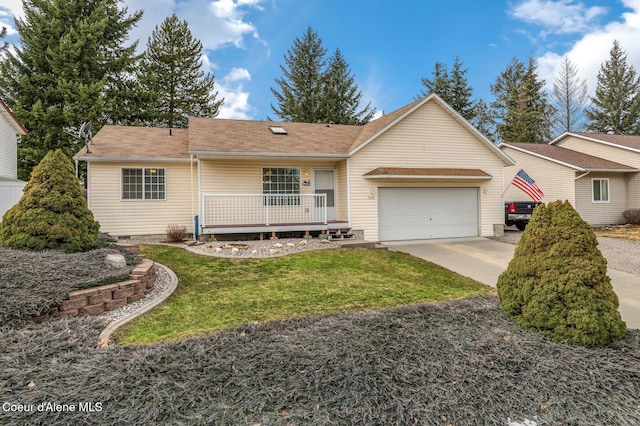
point(96, 300)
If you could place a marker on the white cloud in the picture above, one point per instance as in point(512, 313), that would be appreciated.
point(236, 99)
point(559, 17)
point(592, 50)
point(8, 10)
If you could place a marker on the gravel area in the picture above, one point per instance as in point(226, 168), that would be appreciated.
point(261, 248)
point(621, 254)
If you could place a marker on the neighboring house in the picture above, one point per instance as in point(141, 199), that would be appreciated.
point(10, 186)
point(598, 174)
point(419, 172)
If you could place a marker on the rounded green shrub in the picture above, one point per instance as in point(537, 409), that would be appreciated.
point(52, 213)
point(557, 283)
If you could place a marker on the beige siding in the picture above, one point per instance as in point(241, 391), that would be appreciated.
point(601, 213)
point(428, 137)
point(611, 153)
point(555, 180)
point(8, 150)
point(141, 217)
point(245, 177)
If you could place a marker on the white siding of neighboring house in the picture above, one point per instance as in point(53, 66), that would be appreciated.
point(10, 194)
point(141, 217)
point(8, 150)
point(611, 153)
point(427, 138)
point(601, 213)
point(555, 180)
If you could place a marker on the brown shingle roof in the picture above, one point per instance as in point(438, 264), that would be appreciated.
point(568, 156)
point(622, 140)
point(426, 172)
point(214, 135)
point(130, 142)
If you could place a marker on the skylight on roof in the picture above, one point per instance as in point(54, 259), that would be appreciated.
point(277, 130)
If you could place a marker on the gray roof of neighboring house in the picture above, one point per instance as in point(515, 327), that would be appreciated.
point(570, 157)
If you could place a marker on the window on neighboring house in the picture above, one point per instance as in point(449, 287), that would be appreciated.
point(143, 184)
point(281, 181)
point(600, 190)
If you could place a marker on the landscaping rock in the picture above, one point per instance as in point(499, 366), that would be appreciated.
point(116, 261)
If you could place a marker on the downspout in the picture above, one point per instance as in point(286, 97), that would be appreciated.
point(581, 176)
point(200, 201)
point(348, 192)
point(574, 186)
point(193, 213)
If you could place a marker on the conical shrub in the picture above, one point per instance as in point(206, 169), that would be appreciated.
point(557, 283)
point(52, 213)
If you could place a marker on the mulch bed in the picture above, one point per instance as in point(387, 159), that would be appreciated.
point(459, 363)
point(454, 363)
point(32, 282)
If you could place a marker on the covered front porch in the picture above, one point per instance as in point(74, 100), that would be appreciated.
point(268, 213)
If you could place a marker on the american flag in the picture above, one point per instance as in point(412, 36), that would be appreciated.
point(524, 182)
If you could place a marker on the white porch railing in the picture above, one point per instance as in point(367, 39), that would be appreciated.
point(262, 209)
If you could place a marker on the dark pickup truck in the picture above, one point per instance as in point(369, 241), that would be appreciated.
point(518, 213)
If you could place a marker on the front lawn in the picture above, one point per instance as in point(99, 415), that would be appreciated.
point(218, 293)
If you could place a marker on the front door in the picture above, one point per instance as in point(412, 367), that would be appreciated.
point(324, 183)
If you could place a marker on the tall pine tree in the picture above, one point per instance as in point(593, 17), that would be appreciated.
point(4, 45)
point(171, 72)
point(341, 96)
point(72, 65)
point(616, 104)
point(313, 89)
point(569, 98)
point(453, 87)
point(521, 108)
point(299, 98)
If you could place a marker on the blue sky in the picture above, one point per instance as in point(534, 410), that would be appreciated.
point(389, 46)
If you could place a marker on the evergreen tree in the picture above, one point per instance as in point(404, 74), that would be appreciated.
point(452, 87)
point(341, 96)
point(557, 283)
point(616, 104)
point(299, 98)
point(4, 45)
point(172, 74)
point(569, 99)
point(484, 120)
point(72, 65)
point(522, 111)
point(52, 213)
point(314, 90)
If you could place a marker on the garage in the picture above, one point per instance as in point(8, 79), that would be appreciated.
point(427, 213)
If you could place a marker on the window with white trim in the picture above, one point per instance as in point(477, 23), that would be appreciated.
point(146, 183)
point(282, 181)
point(600, 190)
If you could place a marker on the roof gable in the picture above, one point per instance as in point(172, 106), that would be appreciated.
point(11, 119)
point(629, 142)
point(567, 157)
point(376, 128)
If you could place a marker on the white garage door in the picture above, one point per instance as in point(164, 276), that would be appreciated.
point(425, 213)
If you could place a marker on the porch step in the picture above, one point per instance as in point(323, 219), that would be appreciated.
point(340, 234)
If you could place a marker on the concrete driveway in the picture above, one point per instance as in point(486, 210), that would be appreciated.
point(483, 260)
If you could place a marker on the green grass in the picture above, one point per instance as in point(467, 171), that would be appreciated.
point(216, 293)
